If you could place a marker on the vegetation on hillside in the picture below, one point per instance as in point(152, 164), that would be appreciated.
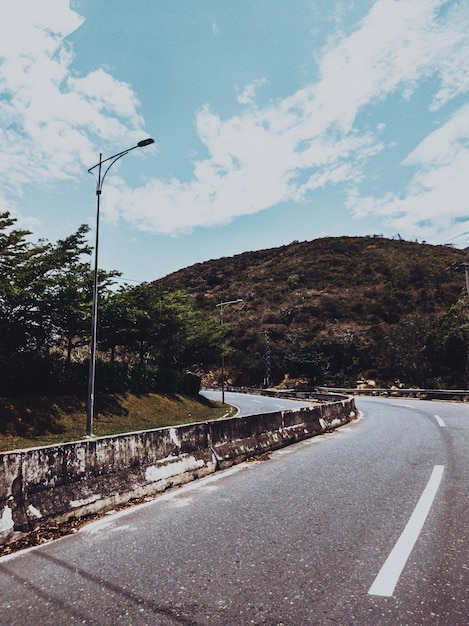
point(325, 312)
point(338, 309)
point(148, 337)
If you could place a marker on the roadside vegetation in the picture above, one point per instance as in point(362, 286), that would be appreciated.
point(30, 421)
point(149, 338)
point(338, 309)
point(325, 312)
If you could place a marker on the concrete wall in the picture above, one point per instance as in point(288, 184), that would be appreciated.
point(38, 485)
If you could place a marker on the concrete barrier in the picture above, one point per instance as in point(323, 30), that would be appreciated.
point(59, 482)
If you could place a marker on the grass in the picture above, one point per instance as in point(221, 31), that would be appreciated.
point(31, 421)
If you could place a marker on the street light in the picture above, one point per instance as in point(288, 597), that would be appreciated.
point(94, 314)
point(223, 306)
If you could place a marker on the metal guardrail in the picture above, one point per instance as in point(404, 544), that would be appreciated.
point(291, 394)
point(424, 394)
point(323, 394)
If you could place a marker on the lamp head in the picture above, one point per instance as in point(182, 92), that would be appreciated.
point(145, 142)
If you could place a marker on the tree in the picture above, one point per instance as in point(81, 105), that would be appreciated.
point(21, 288)
point(45, 299)
point(309, 363)
point(152, 335)
point(67, 297)
point(156, 331)
point(447, 347)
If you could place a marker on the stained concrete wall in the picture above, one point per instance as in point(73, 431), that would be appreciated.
point(38, 485)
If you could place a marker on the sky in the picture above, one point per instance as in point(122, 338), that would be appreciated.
point(274, 121)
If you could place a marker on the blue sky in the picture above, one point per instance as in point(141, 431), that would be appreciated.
point(273, 120)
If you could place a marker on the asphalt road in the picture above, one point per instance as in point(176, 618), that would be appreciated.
point(367, 526)
point(250, 404)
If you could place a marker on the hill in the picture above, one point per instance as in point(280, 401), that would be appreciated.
point(338, 308)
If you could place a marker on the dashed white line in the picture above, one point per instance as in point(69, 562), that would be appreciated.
point(440, 421)
point(389, 574)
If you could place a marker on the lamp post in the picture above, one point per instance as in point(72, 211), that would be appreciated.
point(94, 313)
point(222, 307)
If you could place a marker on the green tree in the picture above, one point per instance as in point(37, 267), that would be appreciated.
point(309, 363)
point(448, 347)
point(24, 324)
point(156, 331)
point(402, 351)
point(67, 293)
point(45, 300)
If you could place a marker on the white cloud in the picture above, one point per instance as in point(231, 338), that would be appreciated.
point(108, 96)
point(248, 94)
point(452, 61)
point(434, 204)
point(50, 118)
point(436, 199)
point(309, 140)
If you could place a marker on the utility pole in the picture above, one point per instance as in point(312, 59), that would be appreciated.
point(267, 359)
point(222, 306)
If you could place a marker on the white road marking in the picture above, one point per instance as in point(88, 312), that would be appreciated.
point(177, 492)
point(107, 523)
point(389, 574)
point(440, 421)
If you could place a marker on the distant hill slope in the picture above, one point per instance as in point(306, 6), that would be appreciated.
point(329, 305)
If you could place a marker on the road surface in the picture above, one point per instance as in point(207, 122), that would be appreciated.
point(367, 525)
point(250, 404)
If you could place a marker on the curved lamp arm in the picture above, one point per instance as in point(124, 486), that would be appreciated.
point(115, 157)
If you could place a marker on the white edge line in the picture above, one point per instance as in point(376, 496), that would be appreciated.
point(109, 518)
point(440, 421)
point(163, 497)
point(389, 574)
